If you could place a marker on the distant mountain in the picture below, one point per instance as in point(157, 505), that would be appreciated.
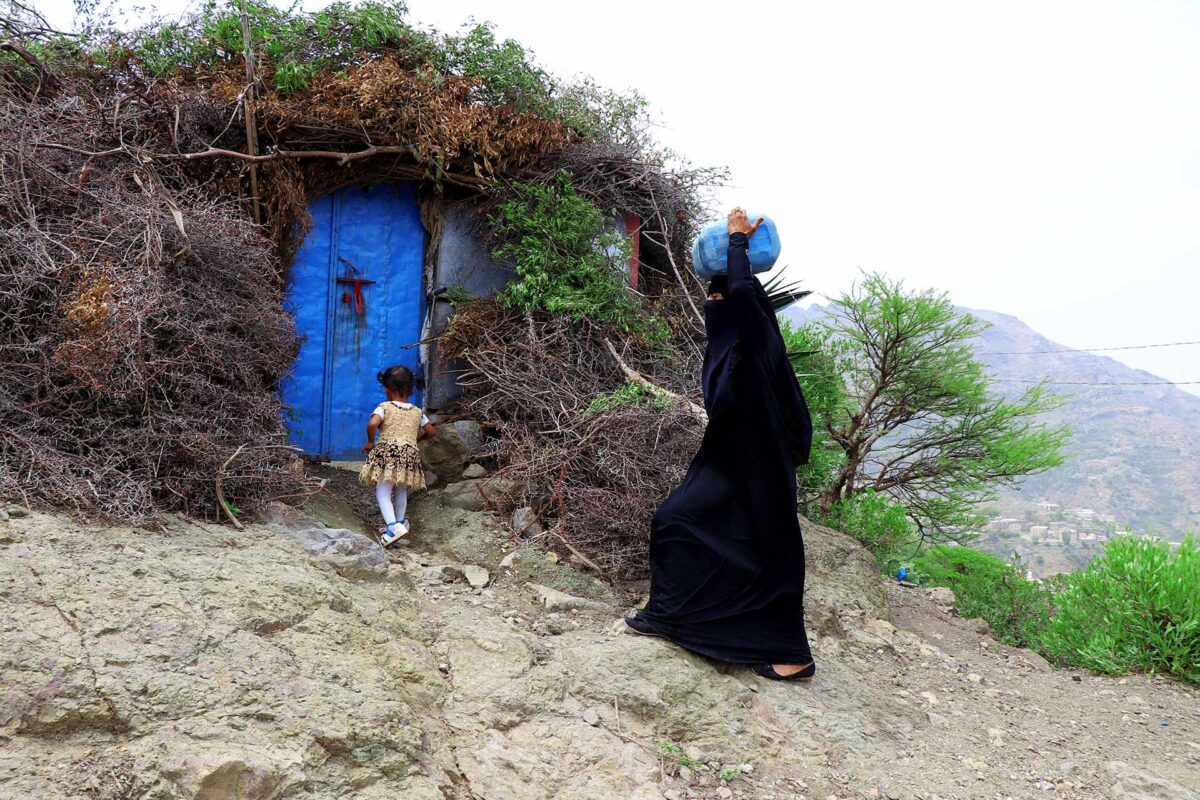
point(1135, 453)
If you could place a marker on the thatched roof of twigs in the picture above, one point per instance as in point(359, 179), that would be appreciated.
point(142, 332)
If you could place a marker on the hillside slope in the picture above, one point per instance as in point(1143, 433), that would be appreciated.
point(204, 663)
point(1136, 449)
point(1135, 453)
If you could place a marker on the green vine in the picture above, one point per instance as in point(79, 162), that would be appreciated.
point(567, 259)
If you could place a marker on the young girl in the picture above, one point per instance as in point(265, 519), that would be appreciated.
point(393, 462)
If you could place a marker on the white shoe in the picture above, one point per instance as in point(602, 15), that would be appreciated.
point(394, 531)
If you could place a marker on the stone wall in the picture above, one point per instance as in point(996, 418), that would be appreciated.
point(463, 261)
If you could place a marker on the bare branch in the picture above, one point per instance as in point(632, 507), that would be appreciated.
point(44, 75)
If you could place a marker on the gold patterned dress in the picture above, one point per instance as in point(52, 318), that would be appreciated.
point(395, 457)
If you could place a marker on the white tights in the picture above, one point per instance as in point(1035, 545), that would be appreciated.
point(393, 500)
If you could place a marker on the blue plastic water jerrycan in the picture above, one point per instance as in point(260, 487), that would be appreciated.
point(711, 249)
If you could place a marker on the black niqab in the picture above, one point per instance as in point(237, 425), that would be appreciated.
point(726, 555)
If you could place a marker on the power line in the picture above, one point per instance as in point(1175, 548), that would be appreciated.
point(1098, 383)
point(1083, 349)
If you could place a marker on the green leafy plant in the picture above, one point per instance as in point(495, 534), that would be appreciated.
point(730, 775)
point(1136, 608)
point(882, 526)
point(675, 753)
point(1017, 609)
point(568, 261)
point(506, 70)
point(291, 76)
point(782, 291)
point(289, 45)
point(631, 394)
point(293, 46)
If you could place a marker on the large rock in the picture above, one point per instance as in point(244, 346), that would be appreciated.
point(525, 522)
point(465, 495)
point(203, 663)
point(206, 663)
point(519, 728)
point(841, 573)
point(943, 597)
point(1130, 783)
point(457, 534)
point(446, 454)
point(479, 494)
point(471, 434)
point(232, 666)
point(351, 554)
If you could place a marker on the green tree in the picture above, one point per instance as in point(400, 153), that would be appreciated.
point(918, 419)
point(824, 392)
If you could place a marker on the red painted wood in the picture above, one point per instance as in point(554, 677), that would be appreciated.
point(633, 224)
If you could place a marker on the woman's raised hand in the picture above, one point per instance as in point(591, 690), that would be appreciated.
point(738, 222)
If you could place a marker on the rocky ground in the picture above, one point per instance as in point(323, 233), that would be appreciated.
point(295, 659)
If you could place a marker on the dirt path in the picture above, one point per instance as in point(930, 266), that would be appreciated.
point(964, 717)
point(929, 708)
point(1013, 722)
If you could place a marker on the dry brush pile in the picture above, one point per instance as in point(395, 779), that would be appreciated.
point(142, 331)
point(589, 447)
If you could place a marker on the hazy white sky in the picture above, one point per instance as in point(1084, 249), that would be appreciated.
point(1036, 158)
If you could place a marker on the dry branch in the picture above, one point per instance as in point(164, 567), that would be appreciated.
point(634, 376)
point(600, 475)
point(221, 491)
point(142, 332)
point(44, 75)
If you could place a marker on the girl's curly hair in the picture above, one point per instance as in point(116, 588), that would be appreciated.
point(398, 378)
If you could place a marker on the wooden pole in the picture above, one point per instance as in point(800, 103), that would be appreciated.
point(251, 119)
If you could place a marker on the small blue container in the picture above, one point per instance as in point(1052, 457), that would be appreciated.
point(711, 250)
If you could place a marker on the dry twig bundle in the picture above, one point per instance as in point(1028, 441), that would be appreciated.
point(599, 473)
point(142, 332)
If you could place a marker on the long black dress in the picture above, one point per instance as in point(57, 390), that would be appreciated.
point(726, 556)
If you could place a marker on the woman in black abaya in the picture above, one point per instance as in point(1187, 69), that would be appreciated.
point(726, 557)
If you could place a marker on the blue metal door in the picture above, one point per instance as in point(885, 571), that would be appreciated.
point(356, 293)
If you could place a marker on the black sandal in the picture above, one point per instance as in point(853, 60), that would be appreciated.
point(767, 671)
point(639, 626)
